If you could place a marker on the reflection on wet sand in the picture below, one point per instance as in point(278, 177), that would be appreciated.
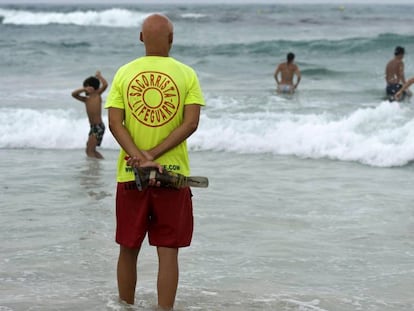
point(92, 180)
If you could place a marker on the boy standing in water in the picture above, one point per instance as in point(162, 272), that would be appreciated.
point(93, 87)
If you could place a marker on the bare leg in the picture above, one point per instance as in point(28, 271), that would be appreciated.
point(127, 273)
point(167, 277)
point(91, 148)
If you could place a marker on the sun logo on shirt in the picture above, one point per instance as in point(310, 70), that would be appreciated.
point(153, 98)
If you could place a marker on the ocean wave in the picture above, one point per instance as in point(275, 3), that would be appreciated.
point(348, 46)
point(320, 71)
point(195, 16)
point(381, 136)
point(115, 17)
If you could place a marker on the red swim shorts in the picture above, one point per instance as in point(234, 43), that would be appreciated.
point(165, 213)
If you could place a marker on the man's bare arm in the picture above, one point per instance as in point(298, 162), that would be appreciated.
point(298, 77)
point(116, 125)
point(402, 75)
point(276, 74)
point(104, 83)
point(404, 87)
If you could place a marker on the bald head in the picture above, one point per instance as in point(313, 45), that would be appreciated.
point(157, 35)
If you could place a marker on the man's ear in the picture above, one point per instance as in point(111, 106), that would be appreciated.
point(141, 37)
point(170, 38)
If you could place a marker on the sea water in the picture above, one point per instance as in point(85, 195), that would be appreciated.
point(310, 199)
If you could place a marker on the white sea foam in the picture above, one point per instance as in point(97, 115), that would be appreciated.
point(378, 136)
point(193, 15)
point(109, 18)
point(381, 136)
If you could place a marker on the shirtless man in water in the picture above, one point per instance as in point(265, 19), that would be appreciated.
point(90, 94)
point(287, 71)
point(394, 74)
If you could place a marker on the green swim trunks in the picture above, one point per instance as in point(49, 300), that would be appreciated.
point(98, 130)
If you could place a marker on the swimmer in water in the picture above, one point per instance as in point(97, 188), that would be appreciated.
point(287, 71)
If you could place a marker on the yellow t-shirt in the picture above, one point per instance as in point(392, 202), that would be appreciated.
point(153, 91)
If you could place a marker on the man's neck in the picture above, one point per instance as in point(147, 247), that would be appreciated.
point(157, 52)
